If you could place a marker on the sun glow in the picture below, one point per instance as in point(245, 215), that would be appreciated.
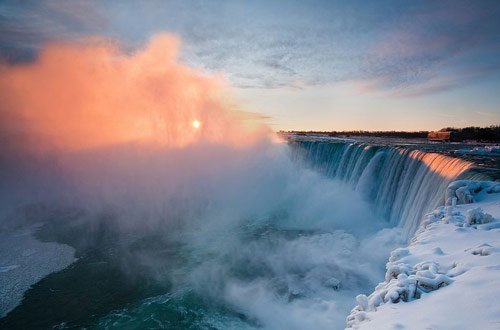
point(196, 124)
point(95, 107)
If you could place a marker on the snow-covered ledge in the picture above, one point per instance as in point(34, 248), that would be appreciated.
point(449, 275)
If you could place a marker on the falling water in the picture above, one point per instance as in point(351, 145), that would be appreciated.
point(230, 238)
point(403, 184)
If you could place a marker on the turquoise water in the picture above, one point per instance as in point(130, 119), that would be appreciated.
point(125, 280)
point(244, 244)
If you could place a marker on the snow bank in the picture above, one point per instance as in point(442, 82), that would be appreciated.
point(449, 275)
point(468, 191)
point(24, 261)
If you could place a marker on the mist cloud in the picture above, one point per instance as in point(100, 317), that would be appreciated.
point(94, 94)
point(108, 133)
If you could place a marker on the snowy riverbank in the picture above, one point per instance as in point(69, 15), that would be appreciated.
point(449, 275)
point(25, 261)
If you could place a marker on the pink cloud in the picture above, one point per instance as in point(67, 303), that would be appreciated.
point(92, 94)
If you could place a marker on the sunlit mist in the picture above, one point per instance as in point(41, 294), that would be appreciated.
point(250, 165)
point(94, 94)
point(196, 124)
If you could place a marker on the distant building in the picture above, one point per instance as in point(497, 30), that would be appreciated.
point(446, 136)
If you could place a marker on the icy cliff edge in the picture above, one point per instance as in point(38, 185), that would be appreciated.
point(449, 275)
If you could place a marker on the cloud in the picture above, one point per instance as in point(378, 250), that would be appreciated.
point(390, 44)
point(26, 26)
point(94, 94)
point(436, 48)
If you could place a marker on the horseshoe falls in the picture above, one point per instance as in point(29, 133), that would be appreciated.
point(402, 184)
point(274, 236)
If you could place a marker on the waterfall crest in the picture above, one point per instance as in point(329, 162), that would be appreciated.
point(402, 183)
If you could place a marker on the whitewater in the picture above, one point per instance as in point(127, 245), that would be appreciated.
point(142, 195)
point(278, 236)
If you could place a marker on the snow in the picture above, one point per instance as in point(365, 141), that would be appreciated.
point(449, 275)
point(24, 261)
point(466, 191)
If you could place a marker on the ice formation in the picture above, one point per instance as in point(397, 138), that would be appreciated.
point(443, 253)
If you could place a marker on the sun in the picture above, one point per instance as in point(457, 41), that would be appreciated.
point(196, 124)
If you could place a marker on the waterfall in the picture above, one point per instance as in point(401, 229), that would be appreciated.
point(403, 184)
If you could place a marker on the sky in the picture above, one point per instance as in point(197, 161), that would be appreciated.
point(304, 65)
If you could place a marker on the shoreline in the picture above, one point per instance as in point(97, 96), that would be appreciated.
point(25, 261)
point(450, 267)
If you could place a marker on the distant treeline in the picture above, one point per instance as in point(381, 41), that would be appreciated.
point(488, 134)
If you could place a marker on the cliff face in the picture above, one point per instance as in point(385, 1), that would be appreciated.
point(449, 275)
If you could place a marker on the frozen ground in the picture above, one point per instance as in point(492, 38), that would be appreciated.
point(24, 261)
point(449, 276)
